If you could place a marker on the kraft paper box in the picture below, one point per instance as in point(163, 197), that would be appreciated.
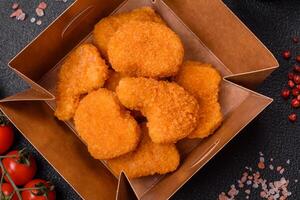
point(210, 33)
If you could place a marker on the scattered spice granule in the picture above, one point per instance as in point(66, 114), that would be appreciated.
point(271, 190)
point(15, 6)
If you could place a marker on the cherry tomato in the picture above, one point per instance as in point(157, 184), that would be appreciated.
point(6, 138)
point(21, 168)
point(7, 190)
point(46, 191)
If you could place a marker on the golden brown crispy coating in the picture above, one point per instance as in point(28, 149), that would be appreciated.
point(203, 81)
point(145, 49)
point(113, 81)
point(105, 126)
point(83, 71)
point(106, 27)
point(172, 113)
point(149, 158)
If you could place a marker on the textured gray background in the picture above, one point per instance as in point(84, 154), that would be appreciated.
point(273, 21)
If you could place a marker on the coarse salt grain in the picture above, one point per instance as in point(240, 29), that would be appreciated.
point(39, 22)
point(249, 182)
point(39, 12)
point(262, 159)
point(288, 162)
point(32, 20)
point(271, 167)
point(247, 191)
point(296, 180)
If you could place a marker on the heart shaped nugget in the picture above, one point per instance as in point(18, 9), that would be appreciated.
point(145, 49)
point(105, 126)
point(172, 113)
point(149, 158)
point(83, 71)
point(203, 81)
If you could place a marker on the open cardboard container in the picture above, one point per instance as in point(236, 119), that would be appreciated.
point(210, 33)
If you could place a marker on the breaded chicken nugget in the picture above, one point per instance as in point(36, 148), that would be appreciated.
point(172, 113)
point(106, 27)
point(148, 159)
point(145, 49)
point(203, 81)
point(113, 81)
point(83, 71)
point(105, 126)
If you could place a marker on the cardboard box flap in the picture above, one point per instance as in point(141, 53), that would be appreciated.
point(33, 61)
point(224, 34)
point(124, 190)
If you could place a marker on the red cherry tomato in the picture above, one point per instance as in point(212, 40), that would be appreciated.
point(6, 138)
point(21, 168)
point(46, 191)
point(7, 190)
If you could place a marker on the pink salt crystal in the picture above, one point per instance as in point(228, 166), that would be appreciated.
point(21, 17)
point(39, 12)
point(232, 192)
point(247, 191)
point(241, 185)
point(16, 13)
point(281, 171)
point(243, 179)
point(15, 6)
point(222, 196)
point(263, 194)
point(250, 177)
point(42, 5)
point(278, 168)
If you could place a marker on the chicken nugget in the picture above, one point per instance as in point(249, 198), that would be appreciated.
point(148, 159)
point(172, 113)
point(83, 71)
point(106, 27)
point(145, 49)
point(203, 81)
point(105, 126)
point(113, 81)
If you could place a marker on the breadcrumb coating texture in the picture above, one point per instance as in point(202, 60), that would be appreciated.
point(106, 27)
point(145, 49)
point(148, 159)
point(172, 113)
point(83, 71)
point(203, 81)
point(113, 81)
point(105, 125)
